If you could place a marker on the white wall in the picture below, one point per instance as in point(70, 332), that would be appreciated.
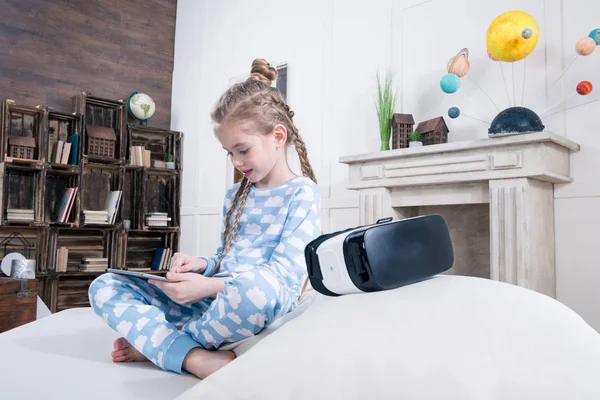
point(334, 48)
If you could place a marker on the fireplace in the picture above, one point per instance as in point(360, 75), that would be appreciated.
point(496, 194)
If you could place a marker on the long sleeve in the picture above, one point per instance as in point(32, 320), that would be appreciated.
point(302, 225)
point(212, 260)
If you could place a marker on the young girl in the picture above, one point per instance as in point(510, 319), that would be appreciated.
point(258, 270)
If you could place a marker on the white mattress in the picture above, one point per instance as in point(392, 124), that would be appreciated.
point(67, 356)
point(448, 337)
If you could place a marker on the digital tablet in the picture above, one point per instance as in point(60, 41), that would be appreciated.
point(138, 274)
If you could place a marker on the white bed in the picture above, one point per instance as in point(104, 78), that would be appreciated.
point(448, 337)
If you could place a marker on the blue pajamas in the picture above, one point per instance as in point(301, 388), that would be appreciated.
point(264, 268)
point(165, 332)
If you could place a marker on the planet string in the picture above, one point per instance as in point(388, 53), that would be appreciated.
point(477, 119)
point(557, 79)
point(572, 107)
point(513, 84)
point(524, 74)
point(481, 108)
point(484, 92)
point(504, 80)
point(557, 103)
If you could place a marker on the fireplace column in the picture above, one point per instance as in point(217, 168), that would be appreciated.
point(522, 233)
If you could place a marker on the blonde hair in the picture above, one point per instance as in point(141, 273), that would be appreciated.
point(257, 101)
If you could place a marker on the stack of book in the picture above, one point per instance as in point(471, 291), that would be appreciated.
point(18, 214)
point(157, 219)
point(109, 214)
point(95, 217)
point(90, 264)
point(65, 205)
point(162, 259)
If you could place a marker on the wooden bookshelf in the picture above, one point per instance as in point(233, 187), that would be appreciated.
point(35, 188)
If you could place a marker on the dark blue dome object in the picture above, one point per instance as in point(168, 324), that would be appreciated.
point(516, 120)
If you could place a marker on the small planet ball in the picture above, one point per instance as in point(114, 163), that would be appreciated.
point(450, 83)
point(453, 112)
point(584, 88)
point(585, 46)
point(458, 65)
point(527, 33)
point(504, 37)
point(595, 34)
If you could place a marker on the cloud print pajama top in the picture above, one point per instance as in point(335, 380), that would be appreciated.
point(266, 267)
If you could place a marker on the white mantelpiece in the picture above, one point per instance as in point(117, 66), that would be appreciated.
point(514, 174)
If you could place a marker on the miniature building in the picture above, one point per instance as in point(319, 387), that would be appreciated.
point(402, 127)
point(433, 131)
point(101, 141)
point(21, 147)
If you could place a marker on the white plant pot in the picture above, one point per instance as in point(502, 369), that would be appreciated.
point(415, 144)
point(171, 165)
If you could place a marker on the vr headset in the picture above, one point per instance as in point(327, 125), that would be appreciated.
point(382, 256)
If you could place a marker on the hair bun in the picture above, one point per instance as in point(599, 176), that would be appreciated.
point(262, 71)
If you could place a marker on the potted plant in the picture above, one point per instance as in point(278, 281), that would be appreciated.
point(414, 140)
point(385, 105)
point(170, 162)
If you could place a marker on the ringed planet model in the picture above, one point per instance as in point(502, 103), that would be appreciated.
point(459, 64)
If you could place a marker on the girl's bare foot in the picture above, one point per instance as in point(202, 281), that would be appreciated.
point(125, 352)
point(202, 363)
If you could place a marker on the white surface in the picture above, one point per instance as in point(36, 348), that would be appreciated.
point(333, 49)
point(452, 338)
point(75, 345)
point(449, 337)
point(67, 356)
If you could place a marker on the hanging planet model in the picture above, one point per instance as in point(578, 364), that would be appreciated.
point(512, 36)
point(459, 64)
point(585, 46)
point(595, 34)
point(453, 112)
point(450, 83)
point(584, 88)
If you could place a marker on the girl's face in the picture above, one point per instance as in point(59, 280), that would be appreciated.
point(254, 154)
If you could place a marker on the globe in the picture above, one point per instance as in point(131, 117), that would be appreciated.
point(141, 107)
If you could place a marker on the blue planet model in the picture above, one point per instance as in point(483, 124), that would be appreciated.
point(595, 34)
point(450, 83)
point(453, 112)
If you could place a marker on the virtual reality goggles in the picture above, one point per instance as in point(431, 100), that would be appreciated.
point(382, 256)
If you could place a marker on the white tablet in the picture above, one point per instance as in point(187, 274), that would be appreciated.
point(138, 274)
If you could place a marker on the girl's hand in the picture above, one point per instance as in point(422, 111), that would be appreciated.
point(189, 288)
point(181, 262)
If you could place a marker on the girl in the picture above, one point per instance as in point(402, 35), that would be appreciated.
point(256, 274)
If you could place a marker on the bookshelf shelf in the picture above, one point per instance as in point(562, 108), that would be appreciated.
point(72, 251)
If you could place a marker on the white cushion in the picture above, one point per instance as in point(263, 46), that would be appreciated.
point(66, 356)
point(448, 338)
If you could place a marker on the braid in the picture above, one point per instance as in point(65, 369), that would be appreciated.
point(303, 156)
point(241, 195)
point(296, 139)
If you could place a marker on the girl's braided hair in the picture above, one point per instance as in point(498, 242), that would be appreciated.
point(256, 100)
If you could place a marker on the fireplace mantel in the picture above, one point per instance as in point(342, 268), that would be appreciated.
point(514, 174)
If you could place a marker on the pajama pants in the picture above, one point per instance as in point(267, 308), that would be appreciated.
point(165, 332)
